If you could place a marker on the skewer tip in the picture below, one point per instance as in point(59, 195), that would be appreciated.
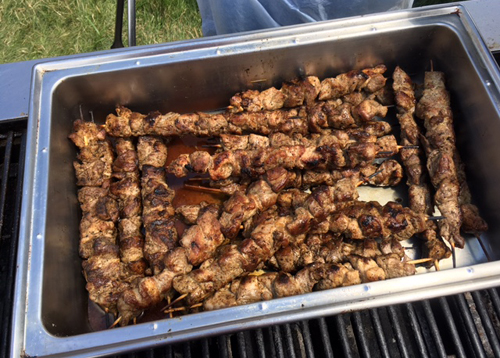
point(419, 261)
point(436, 265)
point(116, 322)
point(407, 147)
point(170, 304)
point(203, 188)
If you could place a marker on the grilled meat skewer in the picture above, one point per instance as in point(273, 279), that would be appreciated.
point(387, 173)
point(306, 91)
point(127, 190)
point(324, 115)
point(95, 157)
point(434, 108)
point(274, 232)
point(278, 139)
point(158, 212)
point(328, 248)
point(198, 243)
point(255, 162)
point(105, 274)
point(444, 164)
point(313, 277)
point(419, 189)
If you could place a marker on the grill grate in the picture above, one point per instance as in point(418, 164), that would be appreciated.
point(12, 146)
point(464, 325)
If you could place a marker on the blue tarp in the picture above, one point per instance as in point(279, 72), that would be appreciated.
point(229, 16)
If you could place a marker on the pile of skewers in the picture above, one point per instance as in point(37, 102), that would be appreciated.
point(288, 163)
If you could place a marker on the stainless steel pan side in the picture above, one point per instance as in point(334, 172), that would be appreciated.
point(51, 307)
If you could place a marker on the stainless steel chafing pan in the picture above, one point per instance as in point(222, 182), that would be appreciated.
point(51, 313)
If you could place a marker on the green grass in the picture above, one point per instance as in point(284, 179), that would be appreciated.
point(32, 29)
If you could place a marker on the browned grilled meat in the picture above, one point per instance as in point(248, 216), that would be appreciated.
point(370, 80)
point(315, 276)
point(158, 212)
point(419, 190)
point(95, 158)
point(198, 243)
point(328, 248)
point(387, 173)
point(201, 240)
point(292, 94)
point(107, 277)
point(242, 206)
point(360, 220)
point(127, 190)
point(264, 118)
point(342, 115)
point(307, 90)
point(256, 162)
point(369, 219)
point(189, 213)
point(444, 164)
point(271, 233)
point(151, 290)
point(127, 123)
point(255, 288)
point(330, 137)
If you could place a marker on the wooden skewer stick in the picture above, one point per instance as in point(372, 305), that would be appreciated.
point(116, 322)
point(436, 265)
point(203, 188)
point(177, 309)
point(135, 320)
point(211, 146)
point(419, 261)
point(407, 147)
point(169, 301)
point(174, 309)
point(180, 298)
